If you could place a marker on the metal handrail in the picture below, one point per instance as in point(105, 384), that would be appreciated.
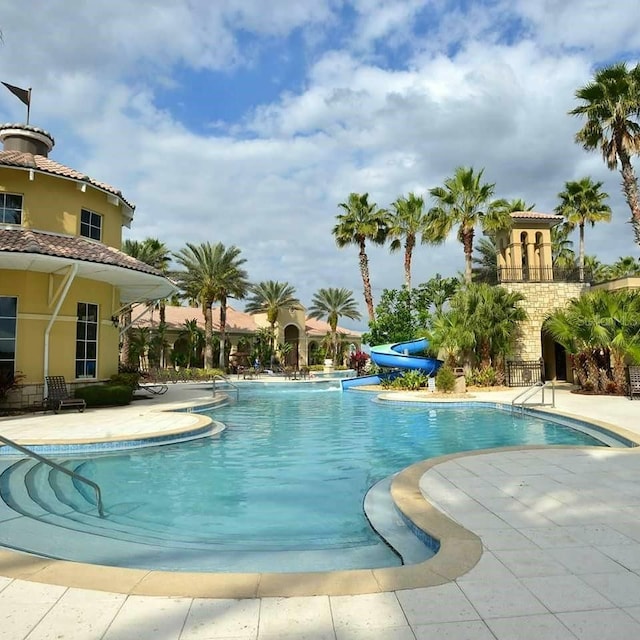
point(226, 380)
point(58, 467)
point(529, 392)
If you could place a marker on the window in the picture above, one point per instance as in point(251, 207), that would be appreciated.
point(86, 340)
point(8, 321)
point(90, 224)
point(10, 208)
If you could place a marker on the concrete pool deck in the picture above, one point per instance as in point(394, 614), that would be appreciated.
point(559, 555)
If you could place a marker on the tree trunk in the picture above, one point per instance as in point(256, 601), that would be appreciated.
point(630, 188)
point(408, 253)
point(364, 270)
point(581, 252)
point(223, 333)
point(467, 243)
point(208, 334)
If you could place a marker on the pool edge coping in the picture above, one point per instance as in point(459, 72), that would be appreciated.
point(460, 550)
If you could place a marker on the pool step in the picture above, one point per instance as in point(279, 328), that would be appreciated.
point(37, 511)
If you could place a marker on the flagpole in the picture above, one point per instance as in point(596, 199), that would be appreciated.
point(28, 104)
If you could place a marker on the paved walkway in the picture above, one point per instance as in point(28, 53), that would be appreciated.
point(561, 535)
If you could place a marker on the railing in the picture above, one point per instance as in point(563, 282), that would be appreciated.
point(544, 274)
point(60, 468)
point(523, 373)
point(226, 381)
point(521, 399)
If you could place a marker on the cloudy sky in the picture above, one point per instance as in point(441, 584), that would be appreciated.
point(248, 121)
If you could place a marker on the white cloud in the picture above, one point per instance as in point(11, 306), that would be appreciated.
point(271, 181)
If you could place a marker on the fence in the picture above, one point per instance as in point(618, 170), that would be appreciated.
point(524, 373)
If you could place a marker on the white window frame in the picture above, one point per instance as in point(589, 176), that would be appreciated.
point(94, 223)
point(85, 328)
point(14, 339)
point(4, 208)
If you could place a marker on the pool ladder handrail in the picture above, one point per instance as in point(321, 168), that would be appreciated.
point(531, 391)
point(58, 467)
point(226, 380)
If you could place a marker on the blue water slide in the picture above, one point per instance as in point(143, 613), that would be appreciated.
point(400, 355)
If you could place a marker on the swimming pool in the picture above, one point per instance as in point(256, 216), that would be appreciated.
point(282, 488)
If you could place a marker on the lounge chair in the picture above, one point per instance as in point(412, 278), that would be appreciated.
point(58, 396)
point(634, 381)
point(156, 388)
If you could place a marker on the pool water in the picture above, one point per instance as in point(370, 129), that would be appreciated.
point(293, 467)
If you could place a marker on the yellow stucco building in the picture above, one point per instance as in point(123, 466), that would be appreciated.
point(63, 278)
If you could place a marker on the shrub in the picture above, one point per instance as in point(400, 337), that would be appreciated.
point(410, 380)
point(126, 379)
point(445, 379)
point(105, 395)
point(485, 377)
point(9, 381)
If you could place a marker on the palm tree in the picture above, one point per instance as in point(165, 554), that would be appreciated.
point(361, 221)
point(156, 254)
point(561, 247)
point(465, 201)
point(331, 304)
point(271, 297)
point(212, 273)
point(610, 102)
point(625, 267)
point(193, 336)
point(407, 221)
point(600, 329)
point(481, 325)
point(486, 261)
point(582, 202)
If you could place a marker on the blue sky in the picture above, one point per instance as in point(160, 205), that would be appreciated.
point(247, 122)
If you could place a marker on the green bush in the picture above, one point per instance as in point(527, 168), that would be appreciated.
point(410, 381)
point(485, 377)
point(445, 379)
point(105, 395)
point(126, 379)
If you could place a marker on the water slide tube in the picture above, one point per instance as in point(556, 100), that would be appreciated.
point(397, 355)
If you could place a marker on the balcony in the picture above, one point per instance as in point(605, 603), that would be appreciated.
point(544, 274)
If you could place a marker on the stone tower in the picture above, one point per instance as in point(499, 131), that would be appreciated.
point(525, 265)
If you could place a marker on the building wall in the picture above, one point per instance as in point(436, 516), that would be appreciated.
point(541, 300)
point(34, 311)
point(52, 203)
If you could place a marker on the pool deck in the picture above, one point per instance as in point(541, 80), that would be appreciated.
point(537, 543)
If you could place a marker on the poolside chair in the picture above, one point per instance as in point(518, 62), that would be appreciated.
point(634, 381)
point(156, 388)
point(58, 396)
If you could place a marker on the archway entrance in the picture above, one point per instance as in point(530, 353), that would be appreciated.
point(556, 361)
point(292, 337)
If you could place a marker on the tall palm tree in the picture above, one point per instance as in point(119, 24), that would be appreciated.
point(331, 304)
point(610, 103)
point(212, 273)
point(271, 297)
point(409, 221)
point(465, 201)
point(361, 221)
point(154, 253)
point(582, 202)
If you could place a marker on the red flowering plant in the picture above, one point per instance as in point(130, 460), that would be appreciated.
point(358, 361)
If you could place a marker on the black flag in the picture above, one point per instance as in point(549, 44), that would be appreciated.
point(23, 94)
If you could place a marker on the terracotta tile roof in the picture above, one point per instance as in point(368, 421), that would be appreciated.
point(72, 247)
point(534, 215)
point(237, 321)
point(320, 328)
point(46, 165)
